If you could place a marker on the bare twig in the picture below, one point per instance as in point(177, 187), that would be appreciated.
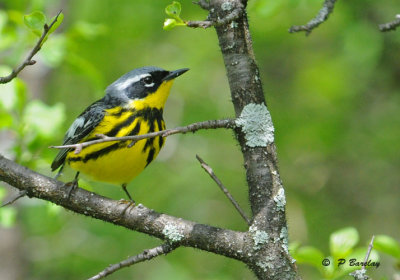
point(11, 201)
point(322, 16)
point(144, 256)
point(360, 274)
point(210, 172)
point(212, 124)
point(29, 60)
point(390, 25)
point(233, 15)
point(200, 23)
point(370, 246)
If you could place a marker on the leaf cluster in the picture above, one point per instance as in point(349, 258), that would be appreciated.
point(342, 244)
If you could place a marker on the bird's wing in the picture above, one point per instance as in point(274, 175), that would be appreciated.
point(79, 129)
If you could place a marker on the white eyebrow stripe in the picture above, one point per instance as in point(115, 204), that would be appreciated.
point(127, 83)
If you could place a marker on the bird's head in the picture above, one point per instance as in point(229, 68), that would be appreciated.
point(143, 87)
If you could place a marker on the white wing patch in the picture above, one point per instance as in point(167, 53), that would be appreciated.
point(79, 122)
point(123, 85)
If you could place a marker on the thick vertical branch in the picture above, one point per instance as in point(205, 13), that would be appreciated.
point(265, 188)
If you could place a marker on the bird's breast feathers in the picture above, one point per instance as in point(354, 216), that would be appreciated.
point(115, 161)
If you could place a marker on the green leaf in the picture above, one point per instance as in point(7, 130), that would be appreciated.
point(387, 245)
point(169, 23)
point(45, 120)
point(343, 241)
point(57, 23)
point(35, 22)
point(310, 255)
point(7, 216)
point(174, 10)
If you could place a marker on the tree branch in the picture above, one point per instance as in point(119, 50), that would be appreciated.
point(11, 201)
point(185, 233)
point(203, 4)
point(210, 172)
point(235, 13)
point(28, 60)
point(146, 255)
point(212, 124)
point(254, 132)
point(200, 23)
point(390, 25)
point(322, 16)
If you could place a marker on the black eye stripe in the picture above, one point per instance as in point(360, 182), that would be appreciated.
point(144, 84)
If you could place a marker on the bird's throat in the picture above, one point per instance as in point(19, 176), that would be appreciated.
point(156, 99)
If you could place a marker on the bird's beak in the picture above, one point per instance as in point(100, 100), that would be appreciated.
point(173, 74)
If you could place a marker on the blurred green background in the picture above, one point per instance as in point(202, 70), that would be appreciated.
point(334, 97)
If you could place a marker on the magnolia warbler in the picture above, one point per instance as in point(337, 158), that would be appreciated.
point(132, 105)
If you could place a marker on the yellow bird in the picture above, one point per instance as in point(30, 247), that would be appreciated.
point(132, 105)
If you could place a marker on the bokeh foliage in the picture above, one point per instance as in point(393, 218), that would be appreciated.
point(334, 97)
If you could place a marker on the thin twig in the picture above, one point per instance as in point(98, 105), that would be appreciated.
point(210, 172)
point(233, 15)
point(212, 124)
point(390, 25)
point(370, 246)
point(11, 201)
point(144, 256)
point(28, 60)
point(200, 23)
point(322, 16)
point(360, 274)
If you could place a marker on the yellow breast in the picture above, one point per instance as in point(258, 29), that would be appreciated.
point(115, 162)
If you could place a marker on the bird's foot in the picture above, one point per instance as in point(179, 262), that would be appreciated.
point(72, 186)
point(130, 204)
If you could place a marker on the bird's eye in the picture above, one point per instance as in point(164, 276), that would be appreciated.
point(148, 80)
